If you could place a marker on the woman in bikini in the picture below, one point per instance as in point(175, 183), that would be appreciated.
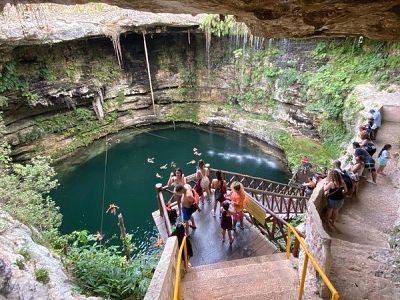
point(202, 175)
point(219, 186)
point(175, 179)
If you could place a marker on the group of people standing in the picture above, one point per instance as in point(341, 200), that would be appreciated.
point(340, 183)
point(190, 199)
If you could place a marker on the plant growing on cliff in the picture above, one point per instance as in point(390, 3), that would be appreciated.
point(103, 271)
point(42, 275)
point(10, 81)
point(24, 190)
point(222, 26)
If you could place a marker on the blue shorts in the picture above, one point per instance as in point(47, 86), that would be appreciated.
point(335, 204)
point(186, 213)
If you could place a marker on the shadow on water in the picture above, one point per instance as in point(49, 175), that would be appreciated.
point(130, 179)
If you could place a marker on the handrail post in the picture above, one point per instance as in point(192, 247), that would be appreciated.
point(158, 191)
point(303, 277)
point(288, 242)
point(185, 255)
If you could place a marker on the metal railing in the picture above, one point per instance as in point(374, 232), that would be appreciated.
point(177, 288)
point(308, 256)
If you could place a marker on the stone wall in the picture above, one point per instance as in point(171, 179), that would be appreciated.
point(163, 282)
point(318, 242)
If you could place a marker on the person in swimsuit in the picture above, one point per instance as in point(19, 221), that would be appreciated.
point(202, 174)
point(176, 178)
point(238, 198)
point(355, 171)
point(334, 189)
point(219, 186)
point(189, 201)
point(226, 221)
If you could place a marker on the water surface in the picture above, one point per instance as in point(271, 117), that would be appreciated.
point(130, 179)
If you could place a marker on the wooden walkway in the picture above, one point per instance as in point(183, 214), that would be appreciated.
point(206, 240)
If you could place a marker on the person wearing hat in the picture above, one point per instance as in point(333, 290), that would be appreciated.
point(376, 115)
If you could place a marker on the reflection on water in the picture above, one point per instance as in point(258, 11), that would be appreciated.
point(130, 178)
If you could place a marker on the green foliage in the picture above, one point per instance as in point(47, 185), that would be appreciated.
point(42, 275)
point(296, 221)
point(72, 71)
point(3, 101)
point(46, 72)
point(226, 26)
point(70, 123)
point(188, 83)
point(120, 97)
point(10, 81)
point(350, 62)
point(103, 271)
point(24, 252)
point(24, 190)
point(34, 134)
point(187, 112)
point(296, 147)
point(106, 70)
point(20, 264)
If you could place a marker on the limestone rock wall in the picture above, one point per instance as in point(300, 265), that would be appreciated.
point(20, 283)
point(71, 75)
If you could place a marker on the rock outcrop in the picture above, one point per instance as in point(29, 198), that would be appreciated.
point(375, 19)
point(20, 257)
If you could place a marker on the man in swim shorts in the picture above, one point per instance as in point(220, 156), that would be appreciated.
point(188, 205)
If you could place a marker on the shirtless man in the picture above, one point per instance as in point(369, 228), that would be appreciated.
point(176, 179)
point(187, 200)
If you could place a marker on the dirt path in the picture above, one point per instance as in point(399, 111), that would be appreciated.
point(359, 239)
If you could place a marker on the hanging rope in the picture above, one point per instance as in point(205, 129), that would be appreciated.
point(104, 185)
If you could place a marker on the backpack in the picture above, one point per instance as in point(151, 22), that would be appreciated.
point(370, 148)
point(347, 180)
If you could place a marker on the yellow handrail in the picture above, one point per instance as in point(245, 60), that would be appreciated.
point(177, 289)
point(308, 256)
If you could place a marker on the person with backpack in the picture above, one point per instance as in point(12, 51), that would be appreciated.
point(369, 162)
point(219, 186)
point(337, 165)
point(367, 144)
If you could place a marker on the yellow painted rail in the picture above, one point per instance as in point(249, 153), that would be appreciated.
point(177, 288)
point(308, 256)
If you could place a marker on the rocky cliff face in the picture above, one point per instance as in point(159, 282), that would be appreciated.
point(375, 19)
point(77, 91)
point(21, 257)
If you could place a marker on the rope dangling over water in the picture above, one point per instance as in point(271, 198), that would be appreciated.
point(104, 185)
point(148, 71)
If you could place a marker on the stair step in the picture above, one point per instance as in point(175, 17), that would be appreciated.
point(272, 268)
point(244, 283)
point(243, 261)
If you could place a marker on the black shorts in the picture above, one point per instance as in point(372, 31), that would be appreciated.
point(370, 166)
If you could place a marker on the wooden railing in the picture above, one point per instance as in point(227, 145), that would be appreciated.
point(163, 208)
point(269, 223)
point(260, 184)
point(287, 206)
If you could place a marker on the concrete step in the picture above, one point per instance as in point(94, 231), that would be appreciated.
point(243, 261)
point(264, 280)
point(268, 267)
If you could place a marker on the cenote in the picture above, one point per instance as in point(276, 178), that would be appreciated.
point(130, 179)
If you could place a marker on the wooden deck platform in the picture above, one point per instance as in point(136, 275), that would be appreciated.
point(206, 240)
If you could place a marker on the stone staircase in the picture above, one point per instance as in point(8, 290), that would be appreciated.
point(261, 277)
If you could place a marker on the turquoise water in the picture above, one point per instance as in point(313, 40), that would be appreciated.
point(131, 179)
